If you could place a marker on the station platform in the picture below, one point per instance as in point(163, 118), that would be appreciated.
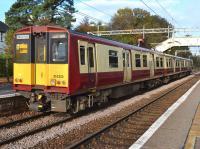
point(6, 89)
point(178, 127)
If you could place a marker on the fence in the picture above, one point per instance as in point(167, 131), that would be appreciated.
point(6, 67)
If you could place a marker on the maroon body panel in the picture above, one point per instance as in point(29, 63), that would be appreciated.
point(184, 69)
point(22, 87)
point(140, 74)
point(109, 78)
point(53, 89)
point(158, 72)
point(178, 69)
point(168, 71)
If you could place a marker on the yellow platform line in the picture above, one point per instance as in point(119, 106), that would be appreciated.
point(194, 131)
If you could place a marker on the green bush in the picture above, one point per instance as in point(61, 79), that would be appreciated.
point(3, 69)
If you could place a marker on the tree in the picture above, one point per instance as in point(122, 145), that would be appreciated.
point(40, 12)
point(9, 42)
point(196, 62)
point(85, 26)
point(137, 19)
point(123, 19)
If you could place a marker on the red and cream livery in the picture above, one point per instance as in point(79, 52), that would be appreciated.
point(72, 71)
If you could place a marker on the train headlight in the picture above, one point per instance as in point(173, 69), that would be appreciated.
point(63, 82)
point(20, 80)
point(53, 82)
point(16, 80)
point(58, 82)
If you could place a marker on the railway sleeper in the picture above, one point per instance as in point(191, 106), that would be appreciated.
point(102, 144)
point(115, 140)
point(128, 130)
point(121, 135)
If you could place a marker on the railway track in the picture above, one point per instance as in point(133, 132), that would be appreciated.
point(43, 126)
point(23, 120)
point(123, 132)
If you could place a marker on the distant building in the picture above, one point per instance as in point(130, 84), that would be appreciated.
point(3, 30)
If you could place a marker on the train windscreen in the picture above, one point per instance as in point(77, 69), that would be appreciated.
point(22, 48)
point(59, 47)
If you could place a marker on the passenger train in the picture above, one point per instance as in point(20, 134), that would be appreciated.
point(65, 71)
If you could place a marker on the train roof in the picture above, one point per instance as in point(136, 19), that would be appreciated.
point(110, 42)
point(119, 44)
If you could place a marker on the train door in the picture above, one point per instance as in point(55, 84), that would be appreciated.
point(41, 60)
point(127, 66)
point(91, 64)
point(151, 65)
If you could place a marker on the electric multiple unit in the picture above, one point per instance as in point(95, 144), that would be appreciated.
point(62, 70)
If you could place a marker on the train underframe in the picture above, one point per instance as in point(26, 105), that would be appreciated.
point(41, 101)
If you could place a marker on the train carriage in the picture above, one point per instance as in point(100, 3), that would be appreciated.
point(65, 71)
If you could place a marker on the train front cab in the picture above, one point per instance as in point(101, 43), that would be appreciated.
point(41, 63)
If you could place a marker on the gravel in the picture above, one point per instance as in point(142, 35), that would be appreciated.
point(90, 122)
point(15, 117)
point(7, 133)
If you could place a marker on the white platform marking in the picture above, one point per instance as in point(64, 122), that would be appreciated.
point(153, 128)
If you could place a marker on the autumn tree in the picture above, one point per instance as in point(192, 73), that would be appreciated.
point(90, 26)
point(137, 19)
point(85, 26)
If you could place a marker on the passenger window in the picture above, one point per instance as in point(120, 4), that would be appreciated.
point(82, 55)
point(144, 60)
point(157, 61)
point(91, 57)
point(137, 60)
point(113, 59)
point(127, 56)
point(161, 62)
